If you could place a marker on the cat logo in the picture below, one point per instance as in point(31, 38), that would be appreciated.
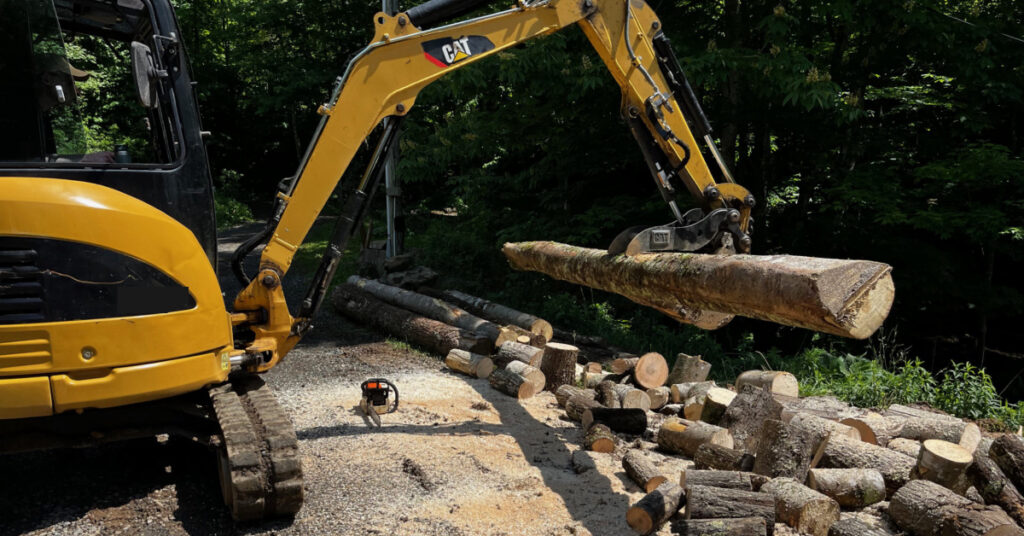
point(447, 51)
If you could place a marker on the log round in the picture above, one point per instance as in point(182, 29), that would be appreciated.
point(682, 391)
point(1008, 452)
point(559, 364)
point(787, 451)
point(921, 507)
point(944, 429)
point(801, 507)
point(532, 374)
point(703, 502)
point(592, 379)
point(512, 384)
point(909, 447)
point(993, 486)
point(631, 397)
point(942, 462)
point(622, 420)
point(742, 526)
point(822, 427)
point(659, 397)
point(593, 366)
point(842, 452)
point(688, 369)
point(746, 415)
point(565, 392)
point(606, 394)
point(499, 313)
point(778, 382)
point(655, 508)
point(622, 365)
point(978, 520)
point(716, 479)
point(650, 371)
point(578, 404)
point(851, 488)
point(642, 471)
point(716, 402)
point(514, 351)
point(876, 429)
point(469, 363)
point(711, 456)
point(599, 438)
point(685, 437)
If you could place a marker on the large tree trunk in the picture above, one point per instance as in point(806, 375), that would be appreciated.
point(429, 307)
point(703, 502)
point(499, 313)
point(436, 336)
point(842, 297)
point(925, 508)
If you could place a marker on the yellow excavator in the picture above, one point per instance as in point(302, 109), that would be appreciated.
point(112, 321)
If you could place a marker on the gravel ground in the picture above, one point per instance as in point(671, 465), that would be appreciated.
point(458, 458)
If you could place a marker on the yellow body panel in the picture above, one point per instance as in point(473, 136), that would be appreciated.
point(25, 397)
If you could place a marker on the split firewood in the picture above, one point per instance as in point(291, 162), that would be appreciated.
point(558, 364)
point(631, 421)
point(855, 526)
point(971, 438)
point(599, 438)
point(995, 488)
point(651, 512)
point(438, 337)
point(499, 313)
point(712, 456)
point(851, 488)
point(682, 391)
point(876, 429)
point(469, 363)
point(944, 463)
point(578, 404)
point(909, 447)
point(688, 369)
point(684, 437)
point(642, 471)
point(1008, 452)
point(512, 384)
point(843, 452)
point(925, 508)
point(801, 507)
point(659, 397)
point(778, 382)
point(742, 526)
point(422, 304)
point(842, 297)
point(606, 394)
point(704, 502)
point(650, 371)
point(532, 374)
point(716, 402)
point(820, 427)
point(565, 392)
point(787, 451)
point(717, 479)
point(631, 397)
point(623, 364)
point(746, 415)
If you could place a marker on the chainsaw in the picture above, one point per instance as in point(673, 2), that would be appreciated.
point(374, 402)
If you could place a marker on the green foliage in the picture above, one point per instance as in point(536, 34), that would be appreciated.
point(967, 391)
point(231, 211)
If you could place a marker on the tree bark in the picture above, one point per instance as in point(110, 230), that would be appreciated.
point(715, 403)
point(711, 456)
point(578, 404)
point(746, 415)
point(978, 520)
point(1008, 452)
point(565, 392)
point(847, 298)
point(512, 384)
point(621, 420)
point(514, 351)
point(532, 374)
point(599, 438)
point(655, 508)
point(642, 471)
point(559, 364)
point(801, 507)
point(826, 407)
point(682, 391)
point(630, 397)
point(787, 451)
point(777, 382)
point(622, 365)
point(995, 488)
point(469, 363)
point(842, 452)
point(944, 463)
point(606, 394)
point(909, 447)
point(688, 369)
point(436, 336)
point(743, 526)
point(717, 479)
point(703, 502)
point(855, 526)
point(851, 488)
point(925, 508)
point(499, 313)
point(684, 437)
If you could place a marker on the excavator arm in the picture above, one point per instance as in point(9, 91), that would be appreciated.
point(412, 49)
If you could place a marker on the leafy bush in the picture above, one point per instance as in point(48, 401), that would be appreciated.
point(231, 211)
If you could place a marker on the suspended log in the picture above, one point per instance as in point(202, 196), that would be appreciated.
point(469, 363)
point(688, 369)
point(659, 397)
point(432, 308)
point(703, 502)
point(512, 384)
point(1008, 452)
point(993, 486)
point(855, 526)
point(717, 479)
point(436, 336)
point(841, 297)
point(559, 364)
point(514, 351)
point(565, 392)
point(801, 507)
point(746, 415)
point(711, 456)
point(851, 488)
point(716, 402)
point(777, 382)
point(655, 508)
point(642, 471)
point(742, 526)
point(944, 463)
point(532, 374)
point(499, 313)
point(843, 452)
point(787, 451)
point(621, 420)
point(599, 438)
point(684, 437)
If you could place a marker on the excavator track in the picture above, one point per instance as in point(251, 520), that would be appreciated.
point(260, 469)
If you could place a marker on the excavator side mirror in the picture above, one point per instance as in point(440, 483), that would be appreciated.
point(145, 73)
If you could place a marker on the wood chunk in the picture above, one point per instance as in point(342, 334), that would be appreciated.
point(851, 488)
point(642, 471)
point(512, 333)
point(902, 445)
point(512, 384)
point(970, 438)
point(978, 520)
point(659, 397)
point(925, 508)
point(778, 382)
point(712, 456)
point(623, 364)
point(944, 463)
point(651, 512)
point(843, 452)
point(514, 351)
point(944, 429)
point(995, 488)
point(743, 526)
point(682, 391)
point(558, 364)
point(855, 526)
point(532, 374)
point(592, 379)
point(826, 407)
point(599, 438)
point(1008, 452)
point(622, 420)
point(565, 392)
point(684, 437)
point(801, 507)
point(630, 397)
point(787, 451)
point(469, 363)
point(650, 371)
point(704, 502)
point(876, 429)
point(688, 369)
point(716, 479)
point(606, 394)
point(576, 406)
point(716, 402)
point(499, 313)
point(746, 415)
point(823, 427)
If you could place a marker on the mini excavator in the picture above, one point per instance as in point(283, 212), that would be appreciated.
point(112, 321)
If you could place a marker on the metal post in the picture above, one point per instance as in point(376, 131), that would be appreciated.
point(393, 187)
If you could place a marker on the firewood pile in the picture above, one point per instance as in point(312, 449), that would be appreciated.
point(761, 453)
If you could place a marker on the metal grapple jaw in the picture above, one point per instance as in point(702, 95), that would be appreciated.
point(718, 232)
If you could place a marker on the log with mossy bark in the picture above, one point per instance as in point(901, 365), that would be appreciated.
point(842, 297)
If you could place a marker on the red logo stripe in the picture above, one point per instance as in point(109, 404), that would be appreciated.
point(435, 61)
